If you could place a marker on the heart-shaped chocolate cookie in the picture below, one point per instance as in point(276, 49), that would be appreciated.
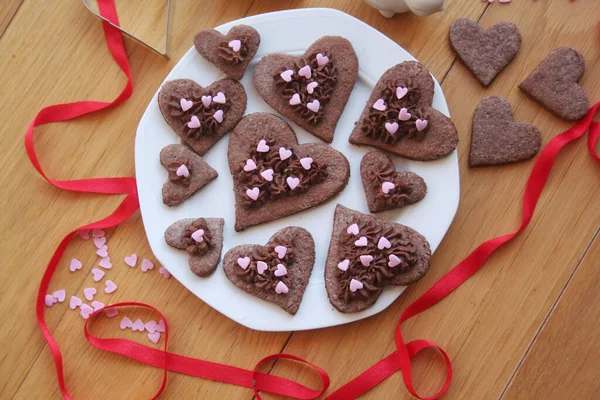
point(387, 188)
point(399, 118)
point(231, 53)
point(202, 238)
point(274, 176)
point(367, 253)
point(554, 85)
point(312, 89)
point(278, 272)
point(485, 52)
point(202, 116)
point(497, 138)
point(188, 173)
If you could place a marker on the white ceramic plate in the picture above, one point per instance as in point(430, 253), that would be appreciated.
point(287, 32)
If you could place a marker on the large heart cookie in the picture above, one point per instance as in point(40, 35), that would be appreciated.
point(312, 89)
point(188, 173)
point(202, 238)
point(274, 176)
point(231, 53)
point(277, 272)
point(387, 188)
point(497, 139)
point(202, 116)
point(399, 118)
point(554, 85)
point(367, 253)
point(485, 52)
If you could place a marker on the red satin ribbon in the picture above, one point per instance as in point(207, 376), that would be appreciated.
point(399, 360)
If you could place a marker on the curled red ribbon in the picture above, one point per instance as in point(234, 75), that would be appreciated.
point(398, 360)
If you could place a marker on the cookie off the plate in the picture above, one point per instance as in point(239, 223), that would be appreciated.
point(313, 89)
point(399, 118)
point(274, 176)
point(277, 272)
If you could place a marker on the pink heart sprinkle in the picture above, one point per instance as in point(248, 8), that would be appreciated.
point(362, 242)
point(267, 174)
point(161, 326)
point(125, 323)
point(111, 312)
point(182, 170)
point(394, 261)
point(150, 326)
point(281, 251)
point(75, 302)
point(504, 1)
point(310, 88)
point(253, 193)
point(292, 182)
point(75, 265)
point(138, 325)
point(380, 105)
point(185, 104)
point(105, 263)
point(220, 98)
point(281, 288)
point(198, 235)
point(89, 293)
point(281, 270)
point(344, 265)
point(154, 337)
point(84, 234)
point(85, 311)
point(355, 285)
point(235, 45)
point(206, 100)
point(250, 165)
point(284, 153)
point(387, 186)
point(218, 116)
point(421, 124)
point(295, 100)
point(391, 127)
point(102, 251)
point(243, 262)
point(305, 72)
point(97, 305)
point(262, 146)
point(401, 92)
point(147, 265)
point(261, 267)
point(314, 105)
point(49, 300)
point(131, 260)
point(110, 287)
point(383, 243)
point(353, 230)
point(194, 122)
point(306, 162)
point(99, 242)
point(404, 115)
point(98, 274)
point(287, 75)
point(60, 295)
point(366, 260)
point(163, 271)
point(98, 233)
point(321, 59)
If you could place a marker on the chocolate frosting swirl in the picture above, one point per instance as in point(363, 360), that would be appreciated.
point(267, 280)
point(385, 172)
point(227, 54)
point(208, 124)
point(197, 248)
point(172, 169)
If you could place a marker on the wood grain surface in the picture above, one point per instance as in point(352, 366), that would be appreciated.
point(525, 327)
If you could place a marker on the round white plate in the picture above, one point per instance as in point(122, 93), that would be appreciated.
point(287, 32)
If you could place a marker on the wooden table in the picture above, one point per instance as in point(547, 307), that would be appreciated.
point(525, 327)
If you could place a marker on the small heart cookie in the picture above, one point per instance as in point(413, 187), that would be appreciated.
point(485, 52)
point(231, 53)
point(284, 280)
point(497, 138)
point(206, 120)
point(554, 85)
point(187, 173)
point(387, 188)
point(202, 238)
